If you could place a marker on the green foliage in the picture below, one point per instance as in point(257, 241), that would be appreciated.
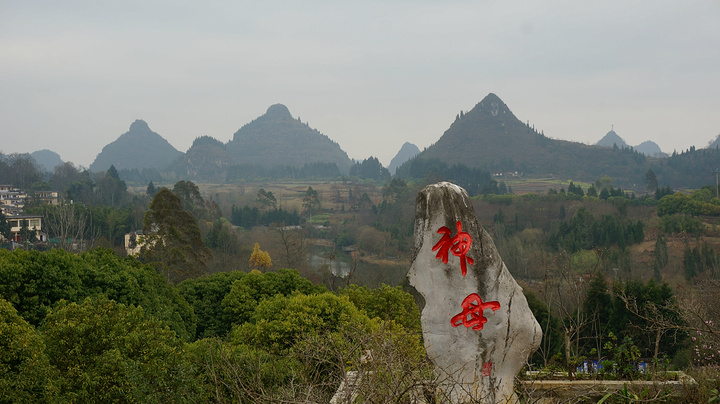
point(371, 169)
point(623, 359)
point(474, 180)
point(129, 282)
point(680, 223)
point(386, 303)
point(107, 352)
point(696, 204)
point(205, 295)
point(395, 191)
point(279, 322)
point(699, 259)
point(25, 372)
point(151, 190)
point(248, 217)
point(266, 199)
point(575, 190)
point(311, 202)
point(252, 288)
point(110, 190)
point(651, 180)
point(35, 281)
point(584, 232)
point(190, 199)
point(551, 340)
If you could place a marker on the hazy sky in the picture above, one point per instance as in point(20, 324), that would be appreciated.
point(371, 75)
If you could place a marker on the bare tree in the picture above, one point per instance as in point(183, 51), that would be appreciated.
point(69, 225)
point(566, 291)
point(293, 242)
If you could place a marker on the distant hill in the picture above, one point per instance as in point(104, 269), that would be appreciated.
point(714, 144)
point(207, 160)
point(611, 139)
point(277, 139)
point(138, 148)
point(650, 148)
point(406, 152)
point(47, 159)
point(490, 137)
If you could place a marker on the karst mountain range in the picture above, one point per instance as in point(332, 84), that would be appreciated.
point(489, 136)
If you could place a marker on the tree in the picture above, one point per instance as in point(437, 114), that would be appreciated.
point(35, 281)
point(260, 258)
point(311, 201)
point(651, 180)
point(395, 190)
point(592, 191)
point(27, 234)
point(386, 303)
point(111, 190)
point(370, 168)
point(69, 224)
point(597, 308)
point(247, 292)
point(294, 247)
point(660, 255)
point(190, 199)
point(205, 295)
point(107, 352)
point(151, 190)
point(25, 372)
point(266, 199)
point(5, 229)
point(279, 322)
point(172, 240)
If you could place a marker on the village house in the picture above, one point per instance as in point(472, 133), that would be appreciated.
point(12, 200)
point(24, 227)
point(134, 242)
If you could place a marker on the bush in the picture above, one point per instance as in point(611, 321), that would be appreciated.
point(107, 352)
point(25, 372)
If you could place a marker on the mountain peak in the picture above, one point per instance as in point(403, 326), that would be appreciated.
point(278, 111)
point(493, 105)
point(610, 139)
point(649, 148)
point(138, 148)
point(139, 126)
point(276, 139)
point(407, 151)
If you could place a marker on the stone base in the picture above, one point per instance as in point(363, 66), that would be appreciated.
point(564, 391)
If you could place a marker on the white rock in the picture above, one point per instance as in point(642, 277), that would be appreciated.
point(472, 365)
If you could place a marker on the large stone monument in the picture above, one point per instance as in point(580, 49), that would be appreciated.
point(477, 326)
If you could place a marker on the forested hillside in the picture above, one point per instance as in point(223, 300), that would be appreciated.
point(278, 139)
point(137, 148)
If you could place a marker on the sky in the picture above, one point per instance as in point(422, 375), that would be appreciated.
point(371, 74)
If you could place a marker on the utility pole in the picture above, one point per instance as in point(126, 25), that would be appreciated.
point(717, 182)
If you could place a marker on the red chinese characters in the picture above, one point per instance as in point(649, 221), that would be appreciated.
point(487, 369)
point(472, 314)
point(459, 245)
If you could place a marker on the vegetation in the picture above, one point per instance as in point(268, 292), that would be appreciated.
point(596, 262)
point(96, 332)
